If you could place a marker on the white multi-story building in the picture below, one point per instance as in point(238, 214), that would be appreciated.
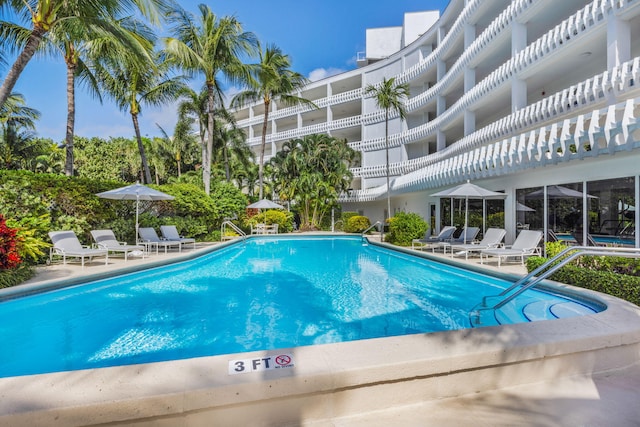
point(515, 96)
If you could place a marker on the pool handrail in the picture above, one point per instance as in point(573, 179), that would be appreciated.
point(546, 270)
point(234, 227)
point(370, 227)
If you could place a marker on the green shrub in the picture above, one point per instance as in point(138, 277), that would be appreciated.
point(284, 220)
point(15, 276)
point(616, 276)
point(39, 203)
point(404, 227)
point(357, 224)
point(30, 247)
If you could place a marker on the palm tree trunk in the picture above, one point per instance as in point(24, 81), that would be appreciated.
point(143, 156)
point(386, 141)
point(206, 169)
point(21, 61)
point(71, 117)
point(262, 148)
point(227, 172)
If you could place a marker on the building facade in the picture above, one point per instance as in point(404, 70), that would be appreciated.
point(522, 97)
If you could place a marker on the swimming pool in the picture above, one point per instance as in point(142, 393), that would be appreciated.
point(327, 383)
point(265, 294)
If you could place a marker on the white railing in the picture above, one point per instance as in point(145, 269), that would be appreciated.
point(599, 132)
point(622, 79)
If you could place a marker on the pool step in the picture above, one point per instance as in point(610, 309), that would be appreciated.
point(540, 310)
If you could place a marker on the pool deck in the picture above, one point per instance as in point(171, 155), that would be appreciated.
point(57, 271)
point(596, 400)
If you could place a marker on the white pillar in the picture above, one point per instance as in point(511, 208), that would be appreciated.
point(618, 46)
point(518, 86)
point(618, 42)
point(469, 80)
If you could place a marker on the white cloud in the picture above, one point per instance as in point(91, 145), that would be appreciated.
point(165, 116)
point(229, 93)
point(323, 73)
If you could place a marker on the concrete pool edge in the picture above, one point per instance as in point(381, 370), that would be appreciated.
point(332, 380)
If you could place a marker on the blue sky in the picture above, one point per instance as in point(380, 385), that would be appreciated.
point(322, 38)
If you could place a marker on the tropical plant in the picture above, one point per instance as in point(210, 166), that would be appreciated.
point(28, 244)
point(389, 96)
point(133, 82)
point(82, 43)
point(113, 159)
point(404, 227)
point(356, 224)
point(209, 45)
point(312, 172)
point(271, 80)
point(193, 108)
point(284, 219)
point(18, 145)
point(9, 257)
point(45, 16)
point(180, 147)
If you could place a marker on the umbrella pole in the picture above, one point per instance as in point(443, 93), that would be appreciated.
point(137, 208)
point(466, 219)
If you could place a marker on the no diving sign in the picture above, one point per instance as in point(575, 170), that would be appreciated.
point(266, 363)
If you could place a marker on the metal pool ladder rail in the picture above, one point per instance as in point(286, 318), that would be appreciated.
point(364, 240)
point(483, 314)
point(223, 229)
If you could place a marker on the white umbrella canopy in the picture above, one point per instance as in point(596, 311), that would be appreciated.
point(265, 204)
point(558, 192)
point(523, 208)
point(469, 191)
point(135, 192)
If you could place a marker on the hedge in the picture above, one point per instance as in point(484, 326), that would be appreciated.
point(615, 284)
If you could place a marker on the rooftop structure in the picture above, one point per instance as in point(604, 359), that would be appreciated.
point(513, 95)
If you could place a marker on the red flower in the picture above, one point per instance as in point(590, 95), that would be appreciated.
point(9, 257)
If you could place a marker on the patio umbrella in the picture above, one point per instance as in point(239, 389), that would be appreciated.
point(135, 192)
point(557, 192)
point(523, 208)
point(469, 191)
point(265, 204)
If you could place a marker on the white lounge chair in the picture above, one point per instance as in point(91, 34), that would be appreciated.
point(105, 239)
point(467, 236)
point(170, 232)
point(149, 238)
point(445, 234)
point(526, 244)
point(66, 244)
point(492, 239)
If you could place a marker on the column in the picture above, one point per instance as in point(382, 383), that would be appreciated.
point(518, 86)
point(618, 46)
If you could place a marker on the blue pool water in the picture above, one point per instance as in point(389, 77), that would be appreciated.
point(260, 295)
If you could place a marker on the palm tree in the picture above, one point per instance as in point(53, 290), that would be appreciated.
point(18, 145)
point(132, 82)
point(180, 146)
point(389, 96)
point(81, 44)
point(209, 46)
point(271, 79)
point(47, 15)
point(313, 171)
point(193, 106)
point(233, 147)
